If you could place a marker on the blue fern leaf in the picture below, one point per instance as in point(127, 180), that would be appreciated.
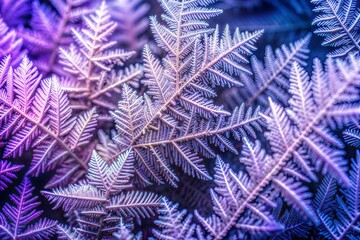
point(342, 219)
point(325, 196)
point(294, 225)
point(338, 22)
point(7, 173)
point(352, 135)
point(15, 217)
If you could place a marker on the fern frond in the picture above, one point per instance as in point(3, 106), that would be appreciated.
point(294, 138)
point(294, 224)
point(352, 134)
point(174, 224)
point(134, 204)
point(15, 12)
point(75, 196)
point(10, 44)
point(35, 114)
point(15, 217)
point(7, 173)
point(163, 124)
point(124, 232)
point(271, 76)
point(90, 80)
point(50, 30)
point(66, 233)
point(131, 17)
point(340, 219)
point(338, 22)
point(103, 198)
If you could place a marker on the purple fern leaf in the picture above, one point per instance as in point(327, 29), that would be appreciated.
point(7, 173)
point(15, 218)
point(177, 118)
point(90, 79)
point(131, 17)
point(51, 30)
point(10, 44)
point(15, 12)
point(35, 114)
point(174, 224)
point(105, 196)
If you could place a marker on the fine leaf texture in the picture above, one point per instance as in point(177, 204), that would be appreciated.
point(352, 134)
point(20, 218)
point(270, 79)
point(341, 218)
point(297, 149)
point(104, 196)
point(49, 30)
point(10, 43)
point(35, 114)
point(133, 23)
point(90, 80)
point(338, 22)
point(7, 173)
point(177, 113)
point(175, 224)
point(14, 12)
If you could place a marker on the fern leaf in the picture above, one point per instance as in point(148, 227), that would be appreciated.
point(89, 78)
point(10, 44)
point(35, 114)
point(271, 77)
point(352, 135)
point(292, 139)
point(338, 22)
point(131, 17)
point(174, 224)
point(49, 30)
point(103, 197)
point(15, 217)
point(341, 218)
point(7, 173)
point(134, 204)
point(15, 12)
point(66, 233)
